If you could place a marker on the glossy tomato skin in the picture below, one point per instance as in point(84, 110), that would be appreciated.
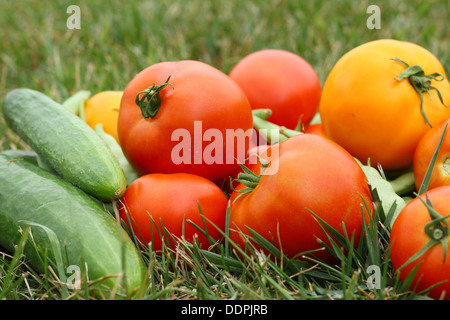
point(313, 174)
point(199, 99)
point(174, 199)
point(281, 81)
point(103, 108)
point(373, 115)
point(424, 152)
point(408, 237)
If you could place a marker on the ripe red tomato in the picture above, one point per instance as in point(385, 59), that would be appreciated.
point(186, 127)
point(424, 152)
point(313, 174)
point(408, 237)
point(317, 128)
point(173, 199)
point(281, 81)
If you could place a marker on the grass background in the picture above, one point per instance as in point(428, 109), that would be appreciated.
point(118, 39)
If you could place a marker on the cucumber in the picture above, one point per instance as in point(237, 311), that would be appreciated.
point(65, 142)
point(76, 102)
point(88, 236)
point(130, 173)
point(19, 155)
point(27, 155)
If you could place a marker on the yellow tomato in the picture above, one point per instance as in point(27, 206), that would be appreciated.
point(103, 108)
point(370, 107)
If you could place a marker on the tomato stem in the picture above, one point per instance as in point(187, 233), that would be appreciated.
point(420, 82)
point(272, 132)
point(404, 183)
point(149, 100)
point(248, 178)
point(262, 113)
point(437, 230)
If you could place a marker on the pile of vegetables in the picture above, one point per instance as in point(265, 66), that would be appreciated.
point(186, 151)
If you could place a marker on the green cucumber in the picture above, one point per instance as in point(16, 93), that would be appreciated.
point(76, 102)
point(20, 154)
point(27, 155)
point(130, 173)
point(65, 142)
point(88, 236)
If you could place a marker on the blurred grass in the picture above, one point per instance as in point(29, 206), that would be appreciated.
point(118, 39)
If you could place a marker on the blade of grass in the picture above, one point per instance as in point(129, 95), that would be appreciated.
point(56, 249)
point(9, 283)
point(426, 179)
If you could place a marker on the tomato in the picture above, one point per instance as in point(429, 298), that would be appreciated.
point(307, 172)
point(281, 81)
point(187, 124)
point(424, 152)
point(316, 128)
point(253, 155)
point(255, 151)
point(103, 108)
point(370, 107)
point(172, 200)
point(408, 237)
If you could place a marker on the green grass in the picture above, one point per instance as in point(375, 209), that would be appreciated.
point(118, 39)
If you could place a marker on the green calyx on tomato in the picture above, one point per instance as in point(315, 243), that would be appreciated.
point(437, 231)
point(437, 228)
point(248, 178)
point(150, 101)
point(420, 82)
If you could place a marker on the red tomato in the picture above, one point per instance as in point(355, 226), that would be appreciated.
point(252, 158)
point(173, 199)
point(313, 174)
point(424, 152)
point(408, 237)
point(317, 128)
point(186, 128)
point(256, 151)
point(281, 81)
point(229, 183)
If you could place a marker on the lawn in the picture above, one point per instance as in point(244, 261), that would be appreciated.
point(117, 39)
